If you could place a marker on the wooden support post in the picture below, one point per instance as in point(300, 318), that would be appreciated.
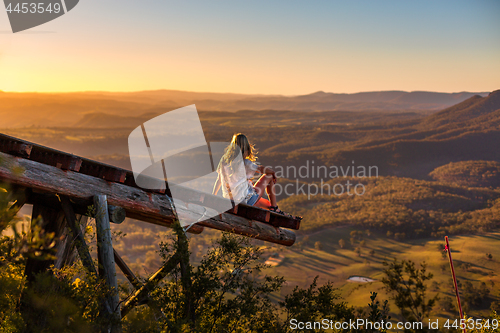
point(81, 246)
point(150, 284)
point(52, 222)
point(183, 249)
point(107, 269)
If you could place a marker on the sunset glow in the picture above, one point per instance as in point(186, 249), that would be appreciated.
point(258, 47)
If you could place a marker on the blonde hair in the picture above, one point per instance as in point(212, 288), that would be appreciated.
point(239, 141)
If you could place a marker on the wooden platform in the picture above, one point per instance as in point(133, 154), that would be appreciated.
point(47, 170)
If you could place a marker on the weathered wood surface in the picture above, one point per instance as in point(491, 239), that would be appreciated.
point(126, 271)
point(66, 161)
point(52, 222)
point(107, 268)
point(67, 254)
point(150, 284)
point(188, 195)
point(78, 238)
point(137, 285)
point(116, 214)
point(146, 206)
point(63, 160)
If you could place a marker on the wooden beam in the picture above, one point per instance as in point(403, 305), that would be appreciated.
point(126, 271)
point(116, 214)
point(188, 195)
point(274, 219)
point(137, 285)
point(81, 246)
point(107, 269)
point(146, 206)
point(80, 207)
point(15, 147)
point(138, 204)
point(150, 284)
point(67, 252)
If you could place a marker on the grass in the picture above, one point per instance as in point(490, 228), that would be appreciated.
point(334, 264)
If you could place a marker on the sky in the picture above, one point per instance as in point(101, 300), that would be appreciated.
point(284, 47)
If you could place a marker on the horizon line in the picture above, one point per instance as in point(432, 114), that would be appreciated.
point(235, 93)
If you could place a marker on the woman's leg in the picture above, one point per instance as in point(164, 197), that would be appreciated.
point(265, 183)
point(263, 203)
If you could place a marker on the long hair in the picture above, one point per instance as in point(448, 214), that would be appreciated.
point(239, 142)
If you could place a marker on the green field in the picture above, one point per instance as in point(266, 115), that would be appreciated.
point(336, 265)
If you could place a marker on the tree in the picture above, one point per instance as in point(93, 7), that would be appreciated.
point(224, 292)
point(342, 243)
point(399, 236)
point(318, 246)
point(447, 304)
point(14, 250)
point(488, 325)
point(407, 286)
point(312, 304)
point(377, 314)
point(495, 306)
point(227, 293)
point(472, 296)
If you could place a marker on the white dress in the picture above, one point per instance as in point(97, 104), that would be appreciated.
point(236, 179)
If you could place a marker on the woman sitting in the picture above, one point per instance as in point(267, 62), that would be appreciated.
point(236, 180)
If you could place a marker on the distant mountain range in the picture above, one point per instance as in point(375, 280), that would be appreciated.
point(400, 142)
point(318, 101)
point(69, 109)
point(469, 130)
point(473, 112)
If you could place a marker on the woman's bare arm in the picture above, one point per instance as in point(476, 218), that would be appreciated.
point(267, 171)
point(216, 185)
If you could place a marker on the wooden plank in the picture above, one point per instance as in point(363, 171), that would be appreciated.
point(111, 173)
point(107, 269)
point(59, 160)
point(130, 181)
point(103, 171)
point(15, 148)
point(188, 195)
point(139, 204)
